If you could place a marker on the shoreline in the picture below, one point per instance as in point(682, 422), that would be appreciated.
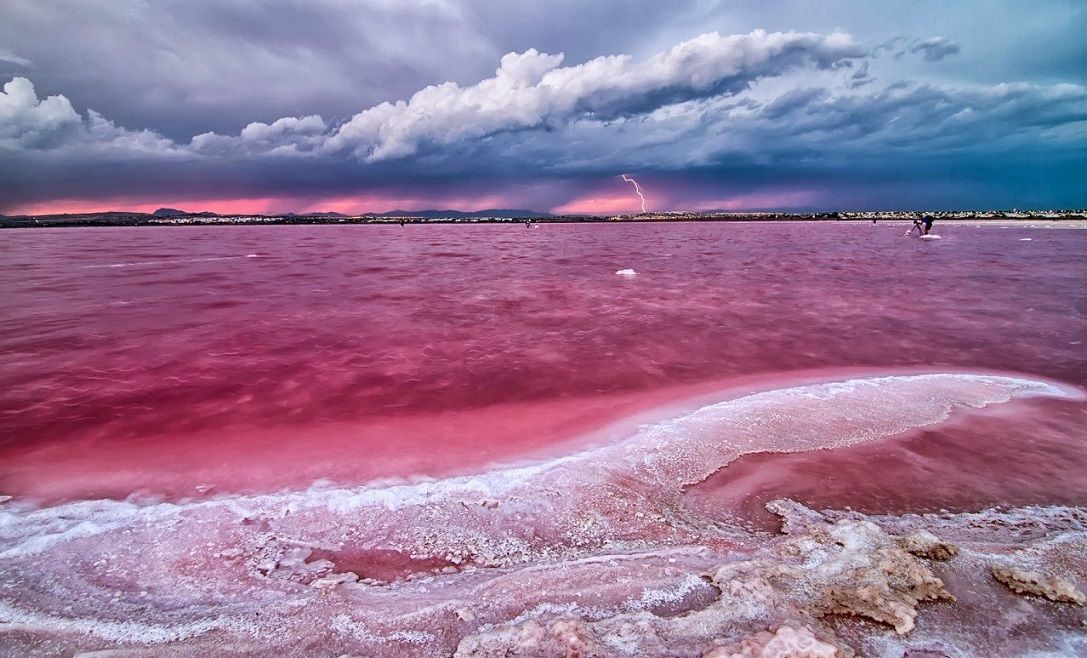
point(1073, 219)
point(544, 557)
point(32, 471)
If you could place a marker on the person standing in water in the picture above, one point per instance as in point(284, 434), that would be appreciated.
point(923, 225)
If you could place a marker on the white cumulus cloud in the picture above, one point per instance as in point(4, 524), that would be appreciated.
point(286, 136)
point(532, 89)
point(28, 123)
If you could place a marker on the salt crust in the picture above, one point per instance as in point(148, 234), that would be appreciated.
point(820, 568)
point(923, 543)
point(593, 553)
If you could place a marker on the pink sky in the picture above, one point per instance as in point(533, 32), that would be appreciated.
point(266, 205)
point(606, 200)
point(602, 204)
point(628, 202)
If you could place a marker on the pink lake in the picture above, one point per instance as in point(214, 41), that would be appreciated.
point(326, 440)
point(180, 361)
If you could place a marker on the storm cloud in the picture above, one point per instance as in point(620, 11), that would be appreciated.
point(786, 118)
point(530, 89)
point(934, 49)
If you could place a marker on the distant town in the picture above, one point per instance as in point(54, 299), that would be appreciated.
point(173, 217)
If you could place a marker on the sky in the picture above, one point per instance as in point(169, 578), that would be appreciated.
point(372, 105)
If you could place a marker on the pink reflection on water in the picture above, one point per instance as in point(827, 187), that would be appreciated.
point(1027, 453)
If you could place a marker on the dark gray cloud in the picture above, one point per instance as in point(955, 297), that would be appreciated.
point(183, 67)
point(8, 57)
point(528, 90)
point(861, 77)
point(933, 49)
point(188, 66)
point(334, 98)
point(808, 138)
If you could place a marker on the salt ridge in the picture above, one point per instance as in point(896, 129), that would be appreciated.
point(47, 526)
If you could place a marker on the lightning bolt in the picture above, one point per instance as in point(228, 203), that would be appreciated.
point(637, 189)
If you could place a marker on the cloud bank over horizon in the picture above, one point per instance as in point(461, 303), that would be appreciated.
point(759, 119)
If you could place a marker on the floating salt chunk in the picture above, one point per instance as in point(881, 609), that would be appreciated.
point(626, 272)
point(4, 499)
point(1025, 239)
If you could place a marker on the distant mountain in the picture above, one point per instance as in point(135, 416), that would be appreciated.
point(174, 212)
point(456, 214)
point(315, 214)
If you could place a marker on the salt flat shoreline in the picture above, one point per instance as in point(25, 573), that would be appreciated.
point(597, 553)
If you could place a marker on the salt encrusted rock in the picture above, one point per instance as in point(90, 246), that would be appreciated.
point(875, 578)
point(786, 642)
point(332, 580)
point(923, 543)
point(560, 637)
point(773, 603)
point(795, 517)
point(1053, 588)
point(266, 567)
point(465, 614)
point(858, 568)
point(820, 568)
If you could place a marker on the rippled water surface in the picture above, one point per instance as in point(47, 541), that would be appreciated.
point(176, 361)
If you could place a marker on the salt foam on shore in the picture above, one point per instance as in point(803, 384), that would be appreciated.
point(594, 552)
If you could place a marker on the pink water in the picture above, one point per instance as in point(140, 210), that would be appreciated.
point(495, 408)
point(250, 358)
